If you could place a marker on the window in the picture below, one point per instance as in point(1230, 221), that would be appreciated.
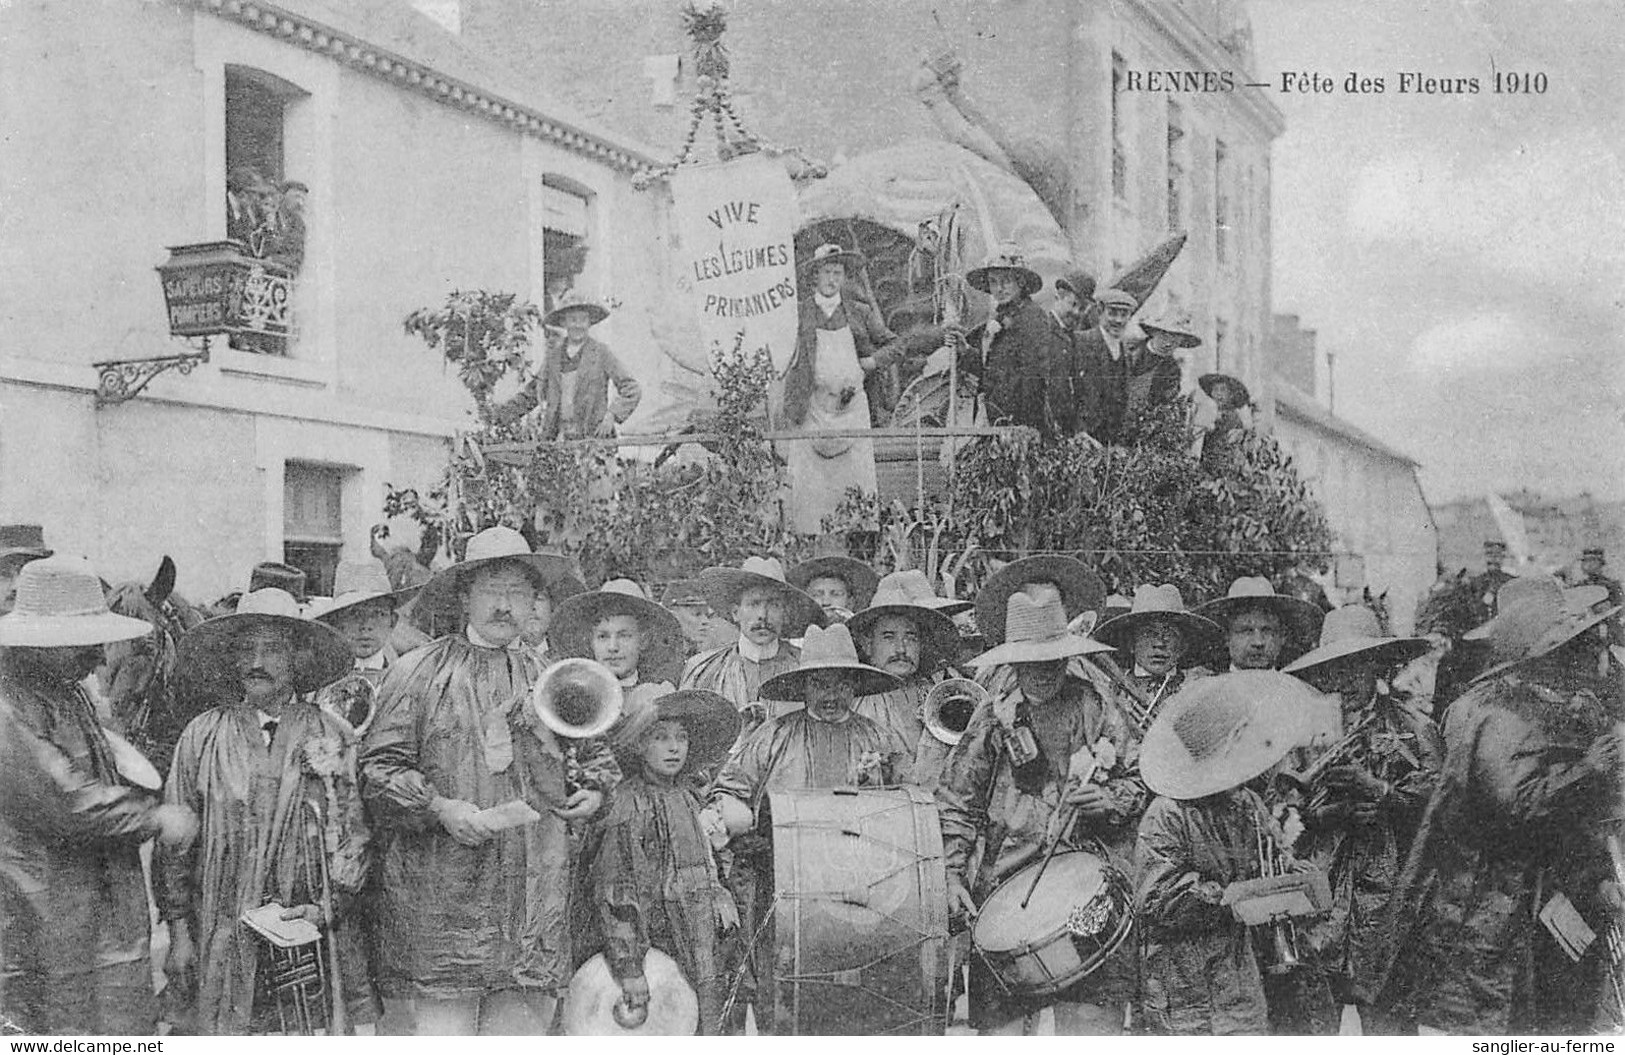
point(264, 209)
point(566, 227)
point(1221, 202)
point(1119, 154)
point(1176, 164)
point(312, 529)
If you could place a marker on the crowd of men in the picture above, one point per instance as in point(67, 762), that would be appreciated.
point(443, 857)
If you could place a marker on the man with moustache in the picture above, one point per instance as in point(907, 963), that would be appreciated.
point(766, 610)
point(1100, 368)
point(76, 803)
point(473, 909)
point(247, 767)
point(1260, 624)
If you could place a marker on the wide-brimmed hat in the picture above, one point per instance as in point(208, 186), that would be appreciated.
point(723, 586)
point(1523, 587)
point(1179, 327)
point(357, 582)
point(830, 253)
point(908, 594)
point(1007, 257)
point(1034, 633)
point(60, 604)
point(1541, 621)
point(711, 719)
point(26, 541)
point(1219, 732)
point(590, 1002)
point(829, 649)
point(1121, 298)
point(861, 580)
point(1080, 284)
point(662, 652)
point(269, 575)
point(1211, 383)
point(1300, 618)
point(1153, 603)
point(1116, 605)
point(1081, 590)
point(321, 656)
point(438, 602)
point(576, 301)
point(1353, 630)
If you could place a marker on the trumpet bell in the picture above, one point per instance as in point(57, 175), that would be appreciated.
point(948, 708)
point(353, 698)
point(577, 698)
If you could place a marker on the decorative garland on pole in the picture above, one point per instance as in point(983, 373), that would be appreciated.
point(705, 22)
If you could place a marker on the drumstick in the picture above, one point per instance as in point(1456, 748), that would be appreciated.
point(1066, 821)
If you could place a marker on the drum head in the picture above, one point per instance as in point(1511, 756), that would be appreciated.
point(1070, 881)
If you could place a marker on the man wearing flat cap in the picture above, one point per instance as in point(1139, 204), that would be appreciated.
point(1592, 563)
point(76, 803)
point(247, 767)
point(1488, 583)
point(766, 611)
point(1100, 368)
point(582, 388)
point(474, 905)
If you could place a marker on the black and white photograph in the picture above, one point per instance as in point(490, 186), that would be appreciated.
point(768, 518)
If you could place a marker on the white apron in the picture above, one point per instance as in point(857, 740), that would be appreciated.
point(820, 471)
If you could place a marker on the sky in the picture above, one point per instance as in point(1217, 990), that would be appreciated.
point(1462, 255)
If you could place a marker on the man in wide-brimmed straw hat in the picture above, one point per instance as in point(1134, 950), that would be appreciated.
point(1531, 777)
point(247, 766)
point(1100, 367)
point(443, 602)
point(639, 642)
point(655, 882)
point(1017, 355)
point(1043, 751)
point(766, 611)
point(1158, 634)
point(582, 388)
point(473, 911)
point(1260, 625)
point(19, 544)
point(76, 803)
point(905, 631)
point(364, 609)
point(1043, 578)
point(1360, 810)
point(1198, 836)
point(840, 584)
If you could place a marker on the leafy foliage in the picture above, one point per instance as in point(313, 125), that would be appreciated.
point(485, 335)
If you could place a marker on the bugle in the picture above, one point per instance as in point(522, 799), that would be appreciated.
point(577, 698)
point(948, 708)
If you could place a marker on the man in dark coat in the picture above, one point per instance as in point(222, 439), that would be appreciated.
point(1017, 354)
point(1592, 562)
point(583, 389)
point(1100, 368)
point(1489, 582)
point(1154, 376)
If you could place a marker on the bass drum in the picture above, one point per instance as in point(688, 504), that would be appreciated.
point(1077, 917)
point(860, 914)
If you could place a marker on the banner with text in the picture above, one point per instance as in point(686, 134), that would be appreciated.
point(736, 262)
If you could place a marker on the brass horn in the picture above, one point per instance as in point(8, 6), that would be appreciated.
point(949, 706)
point(577, 698)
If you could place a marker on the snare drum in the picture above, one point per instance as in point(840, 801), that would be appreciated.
point(1078, 916)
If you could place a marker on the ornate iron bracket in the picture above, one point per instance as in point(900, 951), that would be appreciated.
point(121, 380)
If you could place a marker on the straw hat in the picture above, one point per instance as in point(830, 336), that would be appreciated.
point(1006, 257)
point(912, 581)
point(1153, 603)
point(1219, 732)
point(438, 601)
point(860, 579)
point(320, 655)
point(1300, 618)
point(26, 541)
point(1213, 384)
point(1081, 590)
point(1179, 327)
point(60, 604)
point(1353, 631)
point(661, 657)
point(723, 586)
point(1524, 587)
point(1034, 633)
point(711, 720)
point(576, 301)
point(589, 1005)
point(908, 594)
point(1540, 621)
point(1117, 298)
point(830, 253)
point(357, 582)
point(830, 649)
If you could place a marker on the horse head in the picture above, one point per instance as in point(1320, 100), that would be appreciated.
point(137, 675)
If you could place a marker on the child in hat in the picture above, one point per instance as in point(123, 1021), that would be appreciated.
point(1202, 833)
point(655, 881)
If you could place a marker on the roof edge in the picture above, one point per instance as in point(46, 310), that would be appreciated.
point(1299, 405)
